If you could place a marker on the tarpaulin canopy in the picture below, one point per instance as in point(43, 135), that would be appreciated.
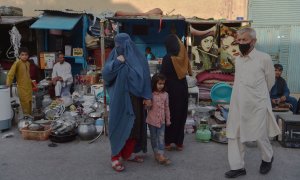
point(56, 22)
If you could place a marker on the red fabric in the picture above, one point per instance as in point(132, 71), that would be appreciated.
point(160, 24)
point(34, 70)
point(97, 56)
point(218, 76)
point(126, 151)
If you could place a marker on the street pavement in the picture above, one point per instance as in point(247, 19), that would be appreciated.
point(34, 160)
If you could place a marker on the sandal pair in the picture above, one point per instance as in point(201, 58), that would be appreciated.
point(117, 166)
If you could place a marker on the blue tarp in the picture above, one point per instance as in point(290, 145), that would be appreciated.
point(56, 22)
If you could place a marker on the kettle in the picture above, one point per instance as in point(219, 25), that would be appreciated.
point(87, 129)
point(203, 133)
point(24, 122)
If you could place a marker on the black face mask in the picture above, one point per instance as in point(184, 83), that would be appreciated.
point(244, 48)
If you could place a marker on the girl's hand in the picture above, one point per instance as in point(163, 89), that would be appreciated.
point(168, 123)
point(147, 103)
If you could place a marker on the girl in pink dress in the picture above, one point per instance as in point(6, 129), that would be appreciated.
point(159, 117)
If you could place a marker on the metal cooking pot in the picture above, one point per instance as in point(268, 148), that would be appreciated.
point(25, 122)
point(87, 130)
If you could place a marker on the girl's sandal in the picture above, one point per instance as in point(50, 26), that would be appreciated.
point(117, 166)
point(137, 159)
point(163, 161)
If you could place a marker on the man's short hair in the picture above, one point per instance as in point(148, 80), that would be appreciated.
point(278, 66)
point(249, 30)
point(60, 53)
point(23, 50)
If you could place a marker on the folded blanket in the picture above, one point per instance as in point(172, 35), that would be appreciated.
point(215, 76)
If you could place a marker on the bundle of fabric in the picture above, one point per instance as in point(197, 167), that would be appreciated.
point(207, 79)
point(204, 93)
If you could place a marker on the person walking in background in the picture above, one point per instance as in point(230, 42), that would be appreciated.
point(250, 114)
point(21, 70)
point(175, 66)
point(280, 92)
point(158, 117)
point(127, 78)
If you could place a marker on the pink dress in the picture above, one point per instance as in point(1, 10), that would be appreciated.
point(159, 113)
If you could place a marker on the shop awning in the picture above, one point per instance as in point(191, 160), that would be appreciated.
point(56, 22)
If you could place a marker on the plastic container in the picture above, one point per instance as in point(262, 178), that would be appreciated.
point(99, 123)
point(221, 92)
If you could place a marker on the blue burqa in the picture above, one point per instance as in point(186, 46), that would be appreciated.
point(122, 79)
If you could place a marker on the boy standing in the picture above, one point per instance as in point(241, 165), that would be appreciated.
point(20, 70)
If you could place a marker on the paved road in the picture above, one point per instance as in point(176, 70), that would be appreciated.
point(33, 160)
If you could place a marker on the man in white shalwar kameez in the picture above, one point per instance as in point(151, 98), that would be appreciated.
point(250, 115)
point(62, 76)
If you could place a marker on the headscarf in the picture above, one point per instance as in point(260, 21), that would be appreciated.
point(179, 56)
point(121, 80)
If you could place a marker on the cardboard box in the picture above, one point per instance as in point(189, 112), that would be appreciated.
point(47, 60)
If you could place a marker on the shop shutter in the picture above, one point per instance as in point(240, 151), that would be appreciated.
point(279, 18)
point(294, 60)
point(274, 12)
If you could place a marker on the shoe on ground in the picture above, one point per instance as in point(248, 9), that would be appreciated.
point(265, 167)
point(235, 173)
point(163, 160)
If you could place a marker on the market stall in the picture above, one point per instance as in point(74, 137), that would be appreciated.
point(15, 32)
point(212, 51)
point(149, 31)
point(60, 119)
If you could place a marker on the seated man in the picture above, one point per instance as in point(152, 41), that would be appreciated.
point(62, 76)
point(280, 93)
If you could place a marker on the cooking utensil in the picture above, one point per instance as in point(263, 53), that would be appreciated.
point(96, 114)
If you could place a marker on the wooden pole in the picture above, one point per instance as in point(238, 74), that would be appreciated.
point(105, 116)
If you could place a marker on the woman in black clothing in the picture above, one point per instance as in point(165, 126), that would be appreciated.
point(175, 66)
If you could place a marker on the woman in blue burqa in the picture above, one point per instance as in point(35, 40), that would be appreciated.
point(127, 78)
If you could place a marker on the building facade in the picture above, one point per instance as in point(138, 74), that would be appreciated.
point(277, 23)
